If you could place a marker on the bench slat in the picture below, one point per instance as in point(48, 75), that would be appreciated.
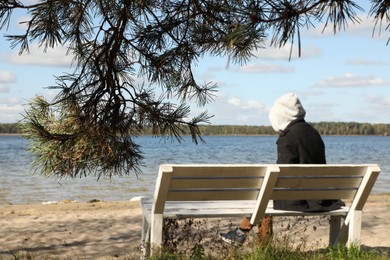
point(319, 182)
point(285, 213)
point(329, 170)
point(220, 204)
point(223, 194)
point(312, 194)
point(253, 182)
point(210, 209)
point(220, 171)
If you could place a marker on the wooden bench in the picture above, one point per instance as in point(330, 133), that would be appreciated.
point(237, 190)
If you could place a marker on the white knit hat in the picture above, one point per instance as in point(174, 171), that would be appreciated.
point(286, 109)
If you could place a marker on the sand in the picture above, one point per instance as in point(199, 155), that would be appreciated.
point(112, 230)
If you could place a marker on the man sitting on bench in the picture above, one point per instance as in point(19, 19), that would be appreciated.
point(298, 143)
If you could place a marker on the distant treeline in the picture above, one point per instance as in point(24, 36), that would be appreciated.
point(325, 128)
point(9, 128)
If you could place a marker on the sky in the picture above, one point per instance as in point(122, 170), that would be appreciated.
point(338, 78)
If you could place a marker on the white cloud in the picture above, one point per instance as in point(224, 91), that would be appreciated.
point(367, 28)
point(7, 76)
point(351, 80)
point(374, 109)
point(233, 110)
point(265, 68)
point(253, 104)
point(4, 88)
point(366, 62)
point(53, 57)
point(234, 102)
point(10, 110)
point(274, 53)
point(379, 103)
point(245, 104)
point(322, 111)
point(364, 28)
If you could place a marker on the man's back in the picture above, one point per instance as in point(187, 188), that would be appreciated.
point(300, 143)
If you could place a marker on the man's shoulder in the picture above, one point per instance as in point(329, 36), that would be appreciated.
point(302, 128)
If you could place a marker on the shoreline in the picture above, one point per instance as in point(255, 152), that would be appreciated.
point(372, 196)
point(112, 229)
point(135, 198)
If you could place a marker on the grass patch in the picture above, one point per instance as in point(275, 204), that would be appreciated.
point(189, 239)
point(270, 252)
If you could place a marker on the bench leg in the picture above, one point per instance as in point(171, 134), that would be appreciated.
point(354, 229)
point(350, 232)
point(145, 239)
point(334, 229)
point(156, 230)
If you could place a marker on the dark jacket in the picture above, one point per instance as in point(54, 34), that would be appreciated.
point(300, 143)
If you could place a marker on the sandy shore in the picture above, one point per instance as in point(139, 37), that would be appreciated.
point(111, 230)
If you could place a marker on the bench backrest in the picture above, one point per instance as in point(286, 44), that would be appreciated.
point(263, 182)
point(317, 182)
point(203, 182)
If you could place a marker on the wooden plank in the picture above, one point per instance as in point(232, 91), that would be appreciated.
point(285, 213)
point(265, 194)
point(334, 229)
point(208, 213)
point(225, 182)
point(364, 190)
point(312, 194)
point(325, 170)
point(162, 186)
point(146, 208)
point(354, 227)
point(226, 194)
point(319, 182)
point(204, 204)
point(234, 212)
point(221, 204)
point(368, 182)
point(219, 170)
point(156, 229)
